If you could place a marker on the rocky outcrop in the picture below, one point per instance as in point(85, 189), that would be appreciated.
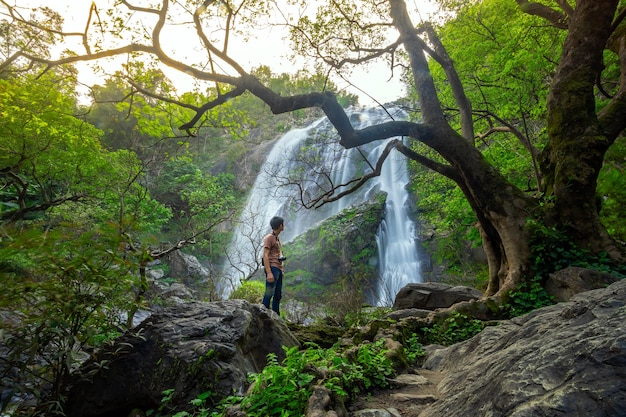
point(187, 268)
point(192, 348)
point(564, 284)
point(338, 247)
point(568, 359)
point(433, 295)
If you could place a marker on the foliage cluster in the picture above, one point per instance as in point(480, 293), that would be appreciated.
point(526, 298)
point(68, 263)
point(199, 406)
point(551, 251)
point(505, 59)
point(62, 299)
point(251, 291)
point(454, 329)
point(612, 190)
point(283, 389)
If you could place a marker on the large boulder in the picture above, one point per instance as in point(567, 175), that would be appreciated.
point(187, 269)
point(567, 282)
point(339, 245)
point(433, 295)
point(191, 348)
point(568, 359)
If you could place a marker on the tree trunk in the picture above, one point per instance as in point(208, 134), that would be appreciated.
point(500, 207)
point(578, 140)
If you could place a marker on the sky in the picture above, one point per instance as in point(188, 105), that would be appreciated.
point(267, 49)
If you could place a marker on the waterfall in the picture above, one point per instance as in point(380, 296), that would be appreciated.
point(305, 153)
point(396, 236)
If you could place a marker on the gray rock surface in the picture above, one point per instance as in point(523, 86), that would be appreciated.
point(390, 412)
point(564, 360)
point(564, 284)
point(328, 250)
point(192, 348)
point(432, 295)
point(187, 268)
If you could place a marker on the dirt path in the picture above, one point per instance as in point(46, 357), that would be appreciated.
point(410, 394)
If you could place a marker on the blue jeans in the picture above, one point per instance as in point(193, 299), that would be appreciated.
point(274, 289)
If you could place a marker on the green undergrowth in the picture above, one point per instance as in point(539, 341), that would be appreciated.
point(553, 250)
point(456, 328)
point(283, 388)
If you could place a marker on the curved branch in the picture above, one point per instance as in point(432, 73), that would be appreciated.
point(445, 170)
point(77, 58)
point(465, 106)
point(141, 9)
point(18, 18)
point(558, 19)
point(371, 54)
point(385, 131)
point(523, 139)
point(222, 54)
point(330, 196)
point(199, 110)
point(18, 214)
point(612, 118)
point(424, 84)
point(223, 98)
point(508, 127)
point(563, 4)
point(618, 20)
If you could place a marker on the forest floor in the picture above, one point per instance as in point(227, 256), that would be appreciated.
point(410, 394)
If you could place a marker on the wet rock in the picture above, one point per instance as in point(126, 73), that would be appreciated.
point(190, 348)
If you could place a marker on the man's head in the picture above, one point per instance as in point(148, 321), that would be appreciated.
point(276, 222)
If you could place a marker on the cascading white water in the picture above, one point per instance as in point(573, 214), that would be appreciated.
point(396, 236)
point(397, 250)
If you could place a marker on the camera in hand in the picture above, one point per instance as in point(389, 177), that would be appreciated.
point(282, 258)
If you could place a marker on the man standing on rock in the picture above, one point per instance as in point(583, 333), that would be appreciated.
point(273, 263)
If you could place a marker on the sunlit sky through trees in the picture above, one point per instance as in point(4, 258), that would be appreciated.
point(267, 48)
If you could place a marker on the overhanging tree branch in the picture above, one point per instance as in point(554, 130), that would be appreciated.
point(556, 18)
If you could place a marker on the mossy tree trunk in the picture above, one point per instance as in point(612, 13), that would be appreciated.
point(579, 136)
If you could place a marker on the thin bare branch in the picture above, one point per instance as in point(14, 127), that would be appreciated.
point(354, 184)
point(446, 170)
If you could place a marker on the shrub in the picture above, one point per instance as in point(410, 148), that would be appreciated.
point(280, 390)
point(456, 328)
point(413, 349)
point(66, 290)
point(251, 291)
point(525, 300)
